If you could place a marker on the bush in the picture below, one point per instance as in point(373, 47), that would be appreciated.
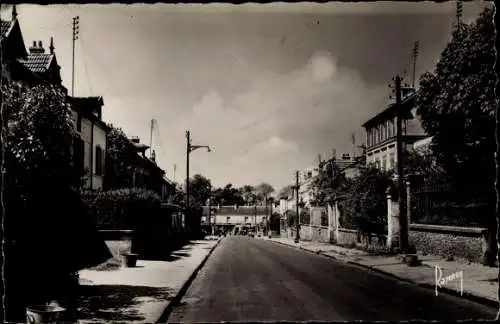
point(123, 208)
point(364, 206)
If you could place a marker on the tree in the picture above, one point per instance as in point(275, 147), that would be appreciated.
point(364, 202)
point(120, 155)
point(328, 183)
point(39, 138)
point(457, 104)
point(200, 189)
point(41, 187)
point(248, 194)
point(285, 192)
point(228, 196)
point(263, 191)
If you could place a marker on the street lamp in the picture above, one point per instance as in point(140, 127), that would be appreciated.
point(190, 148)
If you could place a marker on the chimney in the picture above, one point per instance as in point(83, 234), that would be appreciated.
point(153, 156)
point(37, 49)
point(14, 12)
point(51, 47)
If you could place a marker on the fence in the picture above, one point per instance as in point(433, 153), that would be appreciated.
point(435, 204)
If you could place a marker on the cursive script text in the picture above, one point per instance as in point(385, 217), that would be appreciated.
point(441, 281)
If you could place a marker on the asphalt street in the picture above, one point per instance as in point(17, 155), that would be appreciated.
point(249, 279)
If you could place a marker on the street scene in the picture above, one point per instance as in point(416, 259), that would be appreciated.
point(244, 163)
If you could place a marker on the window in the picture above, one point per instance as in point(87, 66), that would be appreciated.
point(384, 163)
point(99, 161)
point(228, 219)
point(246, 219)
point(79, 123)
point(78, 153)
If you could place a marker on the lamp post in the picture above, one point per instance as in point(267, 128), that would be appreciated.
point(190, 148)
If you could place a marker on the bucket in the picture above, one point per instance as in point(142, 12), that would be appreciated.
point(36, 314)
point(129, 260)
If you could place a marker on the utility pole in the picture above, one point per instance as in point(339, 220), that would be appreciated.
point(403, 221)
point(190, 148)
point(459, 13)
point(76, 30)
point(297, 222)
point(414, 59)
point(175, 169)
point(153, 121)
point(255, 216)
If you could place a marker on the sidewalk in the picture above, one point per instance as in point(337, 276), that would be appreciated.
point(479, 282)
point(139, 294)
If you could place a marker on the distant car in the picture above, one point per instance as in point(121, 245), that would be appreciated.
point(251, 234)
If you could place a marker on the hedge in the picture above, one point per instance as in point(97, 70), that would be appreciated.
point(123, 208)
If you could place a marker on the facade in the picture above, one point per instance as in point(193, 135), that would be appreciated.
point(90, 146)
point(147, 174)
point(381, 133)
point(228, 217)
point(306, 179)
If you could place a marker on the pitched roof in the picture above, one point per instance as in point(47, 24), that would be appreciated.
point(406, 105)
point(5, 27)
point(38, 62)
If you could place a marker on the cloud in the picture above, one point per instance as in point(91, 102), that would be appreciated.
point(285, 117)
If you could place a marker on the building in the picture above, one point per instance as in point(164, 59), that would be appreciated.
point(228, 217)
point(29, 68)
point(90, 147)
point(147, 174)
point(37, 66)
point(381, 133)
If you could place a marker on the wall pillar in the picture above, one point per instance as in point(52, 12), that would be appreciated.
point(392, 222)
point(331, 222)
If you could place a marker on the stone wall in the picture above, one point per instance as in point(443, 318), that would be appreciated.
point(119, 241)
point(462, 242)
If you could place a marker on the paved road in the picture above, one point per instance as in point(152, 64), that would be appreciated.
point(249, 279)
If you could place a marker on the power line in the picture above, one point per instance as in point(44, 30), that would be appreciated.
point(85, 66)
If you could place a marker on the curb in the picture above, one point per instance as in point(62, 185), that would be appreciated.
point(445, 290)
point(448, 291)
point(178, 297)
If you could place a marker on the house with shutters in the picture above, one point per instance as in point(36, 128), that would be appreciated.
point(34, 66)
point(89, 147)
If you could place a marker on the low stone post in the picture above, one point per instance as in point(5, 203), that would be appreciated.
point(336, 214)
point(331, 223)
point(392, 222)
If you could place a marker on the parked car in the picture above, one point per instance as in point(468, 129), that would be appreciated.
point(251, 234)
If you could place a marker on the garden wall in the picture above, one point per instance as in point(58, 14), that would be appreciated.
point(466, 243)
point(118, 241)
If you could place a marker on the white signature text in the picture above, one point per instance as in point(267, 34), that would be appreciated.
point(441, 281)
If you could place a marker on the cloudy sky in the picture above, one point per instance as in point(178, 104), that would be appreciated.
point(268, 87)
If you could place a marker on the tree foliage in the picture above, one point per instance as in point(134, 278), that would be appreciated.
point(364, 202)
point(457, 104)
point(120, 155)
point(39, 138)
point(329, 182)
point(248, 193)
point(263, 191)
point(200, 189)
point(285, 192)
